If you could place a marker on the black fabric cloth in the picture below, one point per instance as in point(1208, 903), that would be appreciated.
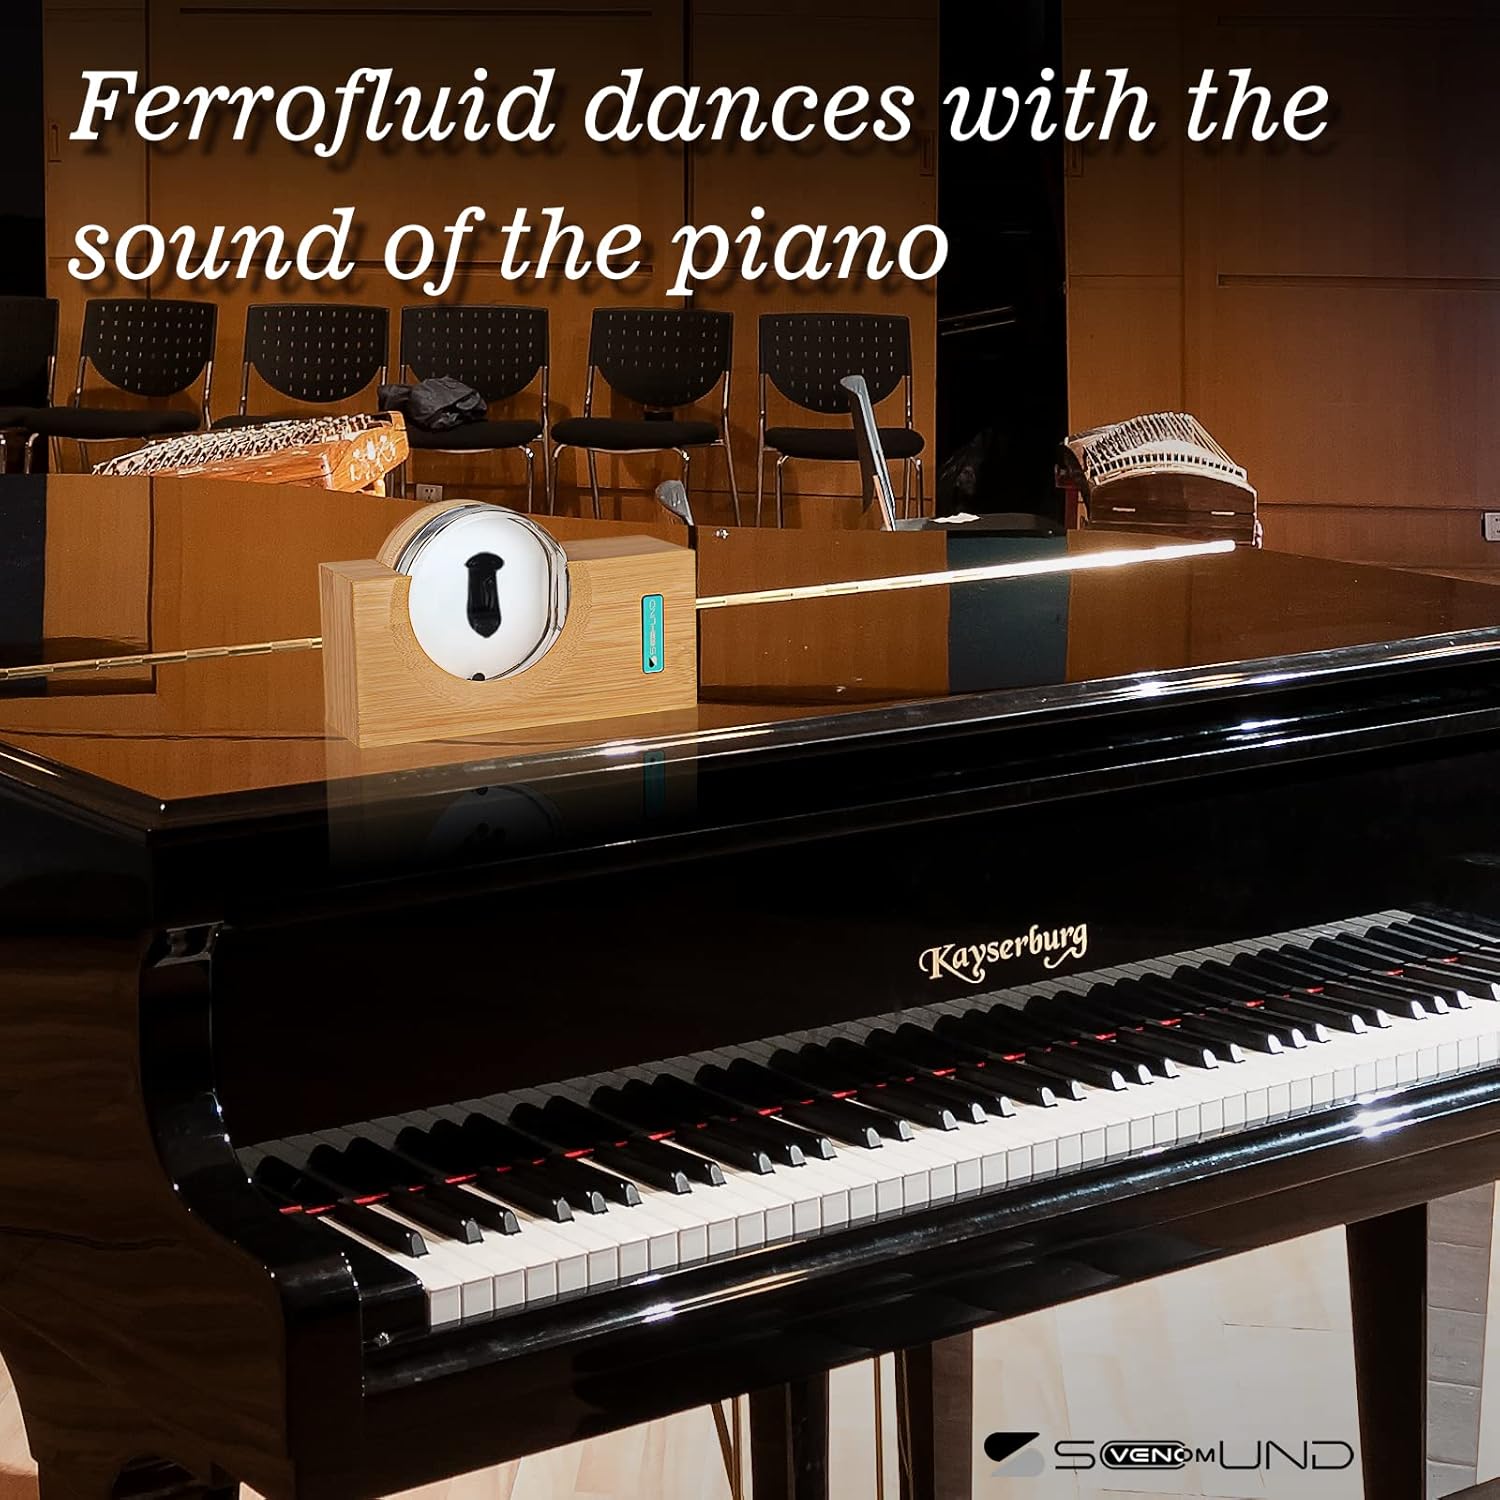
point(836, 444)
point(476, 437)
point(254, 419)
point(105, 423)
point(616, 435)
point(436, 405)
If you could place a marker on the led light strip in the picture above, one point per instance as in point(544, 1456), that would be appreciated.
point(1087, 562)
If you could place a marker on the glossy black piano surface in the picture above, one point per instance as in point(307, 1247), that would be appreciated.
point(226, 937)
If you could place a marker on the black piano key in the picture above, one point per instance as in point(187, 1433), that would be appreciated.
point(523, 1188)
point(842, 1124)
point(448, 1148)
point(1019, 1079)
point(1454, 933)
point(760, 1087)
point(1228, 999)
point(441, 1147)
point(1311, 1010)
point(711, 1138)
point(1388, 963)
point(692, 1103)
point(392, 1166)
point(1243, 1031)
point(1485, 928)
point(1009, 1034)
point(572, 1126)
point(1413, 947)
point(1102, 1017)
point(976, 1065)
point(919, 1050)
point(1469, 979)
point(501, 1143)
point(703, 1170)
point(645, 1167)
point(1319, 971)
point(813, 1067)
point(1402, 1007)
point(1167, 1008)
point(361, 1178)
point(313, 1191)
point(944, 1093)
point(1346, 964)
point(590, 1168)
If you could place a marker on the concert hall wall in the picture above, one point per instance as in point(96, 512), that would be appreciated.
point(1330, 312)
point(771, 43)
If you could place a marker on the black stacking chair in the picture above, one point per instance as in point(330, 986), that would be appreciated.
point(28, 366)
point(662, 359)
point(805, 356)
point(500, 352)
point(148, 347)
point(316, 354)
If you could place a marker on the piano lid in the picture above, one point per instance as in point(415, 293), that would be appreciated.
point(94, 567)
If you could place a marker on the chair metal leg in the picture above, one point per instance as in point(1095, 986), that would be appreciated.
point(921, 495)
point(28, 457)
point(556, 467)
point(548, 477)
point(905, 489)
point(594, 484)
point(530, 477)
point(760, 479)
point(734, 484)
point(687, 469)
point(780, 491)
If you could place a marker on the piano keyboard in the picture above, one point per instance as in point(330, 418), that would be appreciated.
point(494, 1205)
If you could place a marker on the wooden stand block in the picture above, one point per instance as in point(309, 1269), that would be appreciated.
point(381, 688)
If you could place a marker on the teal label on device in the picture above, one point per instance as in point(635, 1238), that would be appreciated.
point(653, 636)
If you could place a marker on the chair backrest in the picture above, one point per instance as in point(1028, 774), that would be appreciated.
point(806, 356)
point(496, 350)
point(28, 346)
point(878, 490)
point(317, 352)
point(148, 346)
point(661, 357)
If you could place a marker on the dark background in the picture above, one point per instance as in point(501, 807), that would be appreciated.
point(23, 256)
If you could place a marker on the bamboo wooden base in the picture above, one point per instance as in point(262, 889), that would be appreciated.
point(381, 688)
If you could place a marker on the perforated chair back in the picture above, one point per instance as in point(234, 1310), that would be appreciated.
point(149, 346)
point(28, 346)
point(317, 353)
point(806, 356)
point(496, 350)
point(661, 357)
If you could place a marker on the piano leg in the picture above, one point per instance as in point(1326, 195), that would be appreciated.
point(1388, 1296)
point(88, 1444)
point(934, 1405)
point(789, 1441)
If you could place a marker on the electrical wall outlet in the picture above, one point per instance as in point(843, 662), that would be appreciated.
point(1492, 525)
point(428, 494)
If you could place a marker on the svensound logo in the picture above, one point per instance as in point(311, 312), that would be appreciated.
point(1018, 1455)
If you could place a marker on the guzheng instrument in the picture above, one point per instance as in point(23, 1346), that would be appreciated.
point(371, 1116)
point(353, 452)
point(1162, 472)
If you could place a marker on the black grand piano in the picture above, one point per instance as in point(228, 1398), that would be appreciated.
point(370, 1117)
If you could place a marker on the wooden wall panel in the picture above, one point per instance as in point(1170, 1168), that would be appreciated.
point(1330, 312)
point(268, 180)
point(736, 41)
